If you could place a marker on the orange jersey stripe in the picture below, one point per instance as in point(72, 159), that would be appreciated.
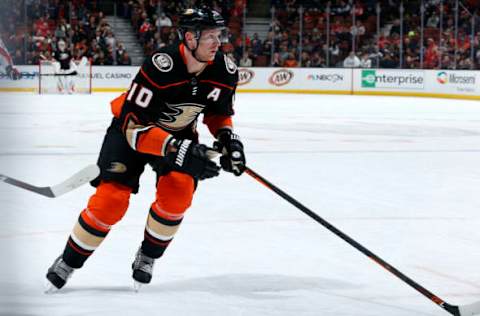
point(153, 141)
point(117, 104)
point(181, 48)
point(216, 122)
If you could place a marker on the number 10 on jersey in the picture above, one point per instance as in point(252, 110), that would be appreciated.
point(140, 94)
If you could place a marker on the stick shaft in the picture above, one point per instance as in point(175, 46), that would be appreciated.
point(432, 297)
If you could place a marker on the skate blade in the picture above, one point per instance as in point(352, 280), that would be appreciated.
point(136, 286)
point(49, 288)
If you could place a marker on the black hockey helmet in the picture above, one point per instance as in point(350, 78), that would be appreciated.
point(197, 20)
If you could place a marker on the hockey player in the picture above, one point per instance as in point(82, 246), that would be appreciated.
point(155, 123)
point(65, 68)
point(7, 63)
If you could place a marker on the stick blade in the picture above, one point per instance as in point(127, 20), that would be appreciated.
point(470, 309)
point(83, 176)
point(45, 191)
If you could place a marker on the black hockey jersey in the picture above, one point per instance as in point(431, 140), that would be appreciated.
point(165, 100)
point(63, 58)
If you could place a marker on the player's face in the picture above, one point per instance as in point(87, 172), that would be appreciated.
point(209, 43)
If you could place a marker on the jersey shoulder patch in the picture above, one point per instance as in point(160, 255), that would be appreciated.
point(162, 61)
point(230, 65)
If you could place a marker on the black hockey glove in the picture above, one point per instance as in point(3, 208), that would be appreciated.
point(12, 73)
point(192, 158)
point(231, 148)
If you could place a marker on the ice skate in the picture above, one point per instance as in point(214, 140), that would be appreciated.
point(57, 275)
point(142, 268)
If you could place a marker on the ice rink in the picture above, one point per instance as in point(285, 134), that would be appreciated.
point(399, 175)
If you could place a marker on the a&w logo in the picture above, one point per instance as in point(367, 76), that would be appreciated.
point(245, 76)
point(281, 77)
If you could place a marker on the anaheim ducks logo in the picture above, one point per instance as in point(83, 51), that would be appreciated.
point(178, 116)
point(117, 167)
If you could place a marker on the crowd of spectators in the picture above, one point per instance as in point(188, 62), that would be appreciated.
point(350, 44)
point(32, 30)
point(353, 37)
point(355, 42)
point(154, 20)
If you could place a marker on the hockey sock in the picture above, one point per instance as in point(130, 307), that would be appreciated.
point(84, 239)
point(158, 234)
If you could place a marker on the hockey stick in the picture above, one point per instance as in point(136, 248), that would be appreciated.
point(464, 310)
point(58, 75)
point(78, 179)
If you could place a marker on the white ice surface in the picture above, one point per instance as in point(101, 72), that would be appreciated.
point(399, 175)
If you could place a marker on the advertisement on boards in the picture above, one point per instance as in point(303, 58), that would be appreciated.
point(314, 80)
point(27, 82)
point(448, 81)
point(392, 79)
point(245, 75)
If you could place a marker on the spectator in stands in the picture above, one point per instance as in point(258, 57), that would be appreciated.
point(283, 50)
point(120, 50)
point(257, 46)
point(343, 8)
point(163, 21)
point(447, 62)
point(110, 40)
point(306, 61)
point(41, 25)
point(145, 31)
point(124, 60)
point(93, 49)
point(317, 61)
point(365, 61)
point(109, 56)
point(100, 39)
point(358, 31)
point(433, 21)
point(62, 29)
point(291, 61)
point(101, 60)
point(275, 26)
point(431, 54)
point(395, 29)
point(334, 51)
point(246, 61)
point(276, 60)
point(388, 61)
point(352, 61)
